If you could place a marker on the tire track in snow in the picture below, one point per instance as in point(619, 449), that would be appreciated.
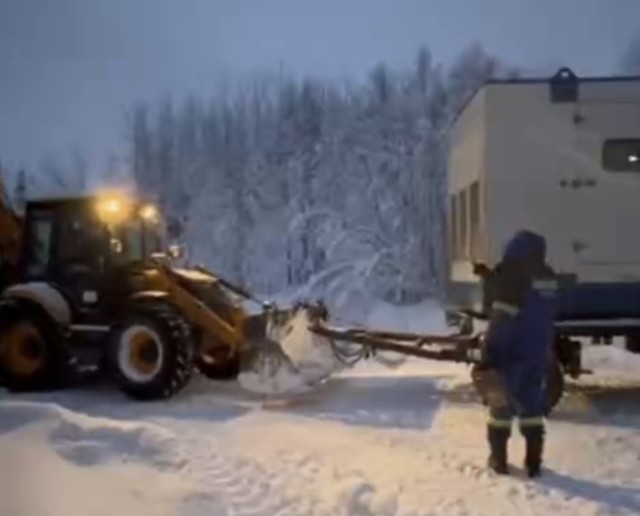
point(235, 485)
point(228, 486)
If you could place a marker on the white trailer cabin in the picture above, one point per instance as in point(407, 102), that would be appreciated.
point(561, 157)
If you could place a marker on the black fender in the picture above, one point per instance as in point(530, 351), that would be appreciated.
point(47, 297)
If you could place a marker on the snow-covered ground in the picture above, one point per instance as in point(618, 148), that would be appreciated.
point(373, 441)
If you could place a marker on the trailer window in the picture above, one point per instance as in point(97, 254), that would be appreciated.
point(621, 155)
point(38, 243)
point(464, 224)
point(474, 218)
point(453, 226)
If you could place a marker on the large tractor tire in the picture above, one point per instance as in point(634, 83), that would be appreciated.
point(34, 355)
point(151, 353)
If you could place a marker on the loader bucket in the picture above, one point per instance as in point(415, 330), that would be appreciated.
point(287, 358)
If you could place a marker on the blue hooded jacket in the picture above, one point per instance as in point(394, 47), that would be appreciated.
point(521, 327)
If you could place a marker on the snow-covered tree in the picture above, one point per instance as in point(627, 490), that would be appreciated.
point(285, 183)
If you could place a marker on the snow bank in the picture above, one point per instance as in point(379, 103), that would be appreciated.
point(350, 301)
point(59, 463)
point(425, 317)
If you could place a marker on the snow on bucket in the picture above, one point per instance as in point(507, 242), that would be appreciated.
point(291, 359)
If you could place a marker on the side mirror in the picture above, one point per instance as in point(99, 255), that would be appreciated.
point(176, 251)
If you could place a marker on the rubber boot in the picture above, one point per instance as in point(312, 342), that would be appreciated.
point(534, 442)
point(498, 438)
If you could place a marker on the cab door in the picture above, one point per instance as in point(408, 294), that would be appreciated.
point(80, 260)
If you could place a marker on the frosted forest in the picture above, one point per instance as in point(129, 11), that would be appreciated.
point(281, 183)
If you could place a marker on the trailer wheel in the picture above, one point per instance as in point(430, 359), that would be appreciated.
point(151, 352)
point(632, 343)
point(33, 352)
point(485, 383)
point(555, 385)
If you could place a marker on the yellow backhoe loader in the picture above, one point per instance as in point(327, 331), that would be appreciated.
point(92, 285)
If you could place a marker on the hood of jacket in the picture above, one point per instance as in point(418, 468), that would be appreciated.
point(525, 247)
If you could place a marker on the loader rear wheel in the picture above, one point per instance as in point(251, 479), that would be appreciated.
point(152, 353)
point(33, 354)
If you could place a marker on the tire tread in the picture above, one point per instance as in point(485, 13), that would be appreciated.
point(177, 338)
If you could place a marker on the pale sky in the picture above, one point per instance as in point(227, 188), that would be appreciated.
point(70, 68)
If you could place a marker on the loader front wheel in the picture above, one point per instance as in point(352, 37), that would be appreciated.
point(152, 353)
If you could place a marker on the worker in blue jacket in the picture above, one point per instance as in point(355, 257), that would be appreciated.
point(517, 348)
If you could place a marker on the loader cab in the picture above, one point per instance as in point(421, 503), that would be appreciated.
point(82, 244)
point(86, 235)
point(60, 236)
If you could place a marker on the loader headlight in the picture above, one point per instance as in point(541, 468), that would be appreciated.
point(111, 209)
point(149, 212)
point(112, 206)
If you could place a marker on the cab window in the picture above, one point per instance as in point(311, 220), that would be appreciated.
point(38, 243)
point(82, 242)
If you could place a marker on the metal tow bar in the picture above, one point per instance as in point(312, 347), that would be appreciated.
point(451, 348)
